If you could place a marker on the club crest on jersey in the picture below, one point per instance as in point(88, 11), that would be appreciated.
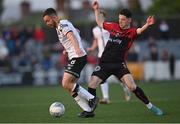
point(97, 68)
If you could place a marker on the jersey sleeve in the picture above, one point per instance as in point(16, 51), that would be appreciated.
point(65, 28)
point(108, 26)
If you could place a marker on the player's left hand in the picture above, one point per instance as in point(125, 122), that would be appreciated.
point(95, 5)
point(150, 20)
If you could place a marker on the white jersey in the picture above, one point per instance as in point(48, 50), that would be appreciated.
point(102, 37)
point(63, 28)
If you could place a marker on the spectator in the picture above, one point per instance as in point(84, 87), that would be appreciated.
point(52, 76)
point(164, 55)
point(38, 75)
point(3, 49)
point(39, 34)
point(164, 30)
point(14, 33)
point(172, 65)
point(151, 42)
point(4, 62)
point(87, 12)
point(62, 7)
point(154, 53)
point(23, 35)
point(133, 55)
point(153, 49)
point(46, 62)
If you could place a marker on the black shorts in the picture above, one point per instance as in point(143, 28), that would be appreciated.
point(104, 70)
point(75, 66)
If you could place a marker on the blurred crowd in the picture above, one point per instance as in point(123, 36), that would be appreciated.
point(24, 50)
point(32, 54)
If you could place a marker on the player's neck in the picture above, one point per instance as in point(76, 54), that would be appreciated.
point(127, 27)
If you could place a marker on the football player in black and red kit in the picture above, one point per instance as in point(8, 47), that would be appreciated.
point(113, 59)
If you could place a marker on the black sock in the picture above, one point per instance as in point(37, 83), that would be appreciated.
point(92, 91)
point(140, 94)
point(76, 89)
point(74, 95)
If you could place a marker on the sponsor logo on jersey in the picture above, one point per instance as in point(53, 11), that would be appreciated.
point(115, 40)
point(64, 25)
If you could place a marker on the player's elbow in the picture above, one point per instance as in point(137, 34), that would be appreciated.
point(139, 31)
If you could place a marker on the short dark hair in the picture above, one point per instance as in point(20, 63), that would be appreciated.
point(126, 12)
point(49, 11)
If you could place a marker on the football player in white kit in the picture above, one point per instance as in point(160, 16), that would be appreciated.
point(101, 37)
point(71, 41)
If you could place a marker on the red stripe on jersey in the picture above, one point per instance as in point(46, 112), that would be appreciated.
point(126, 36)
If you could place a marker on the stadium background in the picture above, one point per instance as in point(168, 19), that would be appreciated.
point(31, 55)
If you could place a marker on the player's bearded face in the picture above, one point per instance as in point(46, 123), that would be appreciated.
point(124, 22)
point(49, 21)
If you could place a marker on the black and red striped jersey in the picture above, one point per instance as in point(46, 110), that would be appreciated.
point(119, 42)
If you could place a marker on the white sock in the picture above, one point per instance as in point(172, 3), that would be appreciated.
point(82, 103)
point(105, 90)
point(84, 93)
point(149, 105)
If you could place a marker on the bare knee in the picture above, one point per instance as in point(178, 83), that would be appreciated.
point(132, 87)
point(94, 82)
point(68, 82)
point(92, 85)
point(66, 85)
point(129, 81)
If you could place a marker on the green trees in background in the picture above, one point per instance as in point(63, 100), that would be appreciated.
point(165, 7)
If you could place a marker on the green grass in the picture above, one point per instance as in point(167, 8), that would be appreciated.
point(31, 104)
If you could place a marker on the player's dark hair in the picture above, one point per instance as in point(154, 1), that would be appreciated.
point(126, 12)
point(49, 11)
point(103, 12)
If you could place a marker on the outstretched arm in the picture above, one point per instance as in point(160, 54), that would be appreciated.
point(150, 21)
point(99, 18)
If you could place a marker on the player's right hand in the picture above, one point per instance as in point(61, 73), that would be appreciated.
point(95, 5)
point(150, 20)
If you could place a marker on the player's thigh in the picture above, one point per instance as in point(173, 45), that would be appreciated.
point(99, 75)
point(94, 81)
point(129, 81)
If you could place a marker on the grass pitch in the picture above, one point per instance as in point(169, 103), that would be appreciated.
point(31, 105)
